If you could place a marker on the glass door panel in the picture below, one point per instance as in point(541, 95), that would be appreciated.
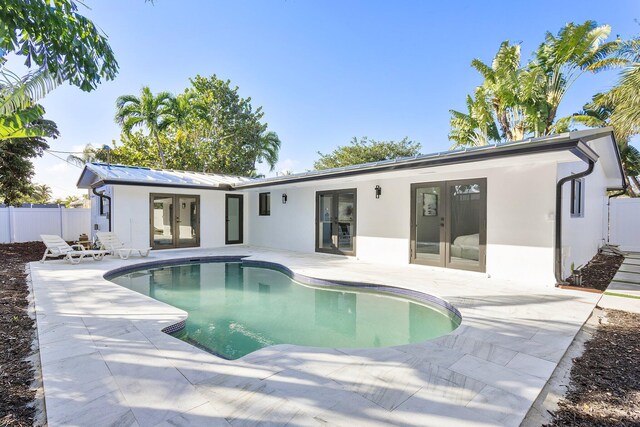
point(162, 222)
point(233, 218)
point(187, 219)
point(448, 224)
point(336, 221)
point(466, 223)
point(428, 233)
point(346, 221)
point(325, 222)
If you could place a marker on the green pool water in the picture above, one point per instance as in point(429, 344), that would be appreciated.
point(235, 310)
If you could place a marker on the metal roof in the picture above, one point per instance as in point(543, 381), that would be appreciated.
point(570, 141)
point(96, 174)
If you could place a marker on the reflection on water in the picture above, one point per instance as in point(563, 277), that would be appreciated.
point(234, 310)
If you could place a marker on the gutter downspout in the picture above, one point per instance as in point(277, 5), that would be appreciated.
point(102, 195)
point(558, 240)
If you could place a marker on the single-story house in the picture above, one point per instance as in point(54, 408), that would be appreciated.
point(530, 209)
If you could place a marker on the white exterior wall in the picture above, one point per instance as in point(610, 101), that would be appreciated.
point(582, 236)
point(520, 217)
point(130, 217)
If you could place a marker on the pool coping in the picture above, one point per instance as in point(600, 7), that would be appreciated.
point(69, 297)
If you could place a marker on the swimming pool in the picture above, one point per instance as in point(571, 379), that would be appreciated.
point(235, 308)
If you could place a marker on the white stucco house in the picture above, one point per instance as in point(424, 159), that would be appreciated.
point(525, 210)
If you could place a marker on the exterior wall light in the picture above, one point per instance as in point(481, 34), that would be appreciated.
point(284, 198)
point(378, 191)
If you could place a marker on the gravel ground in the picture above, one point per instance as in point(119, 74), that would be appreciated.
point(605, 381)
point(598, 272)
point(17, 332)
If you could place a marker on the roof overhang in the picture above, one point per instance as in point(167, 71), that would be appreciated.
point(100, 183)
point(576, 146)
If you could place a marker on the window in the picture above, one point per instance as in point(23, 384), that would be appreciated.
point(577, 198)
point(104, 206)
point(264, 204)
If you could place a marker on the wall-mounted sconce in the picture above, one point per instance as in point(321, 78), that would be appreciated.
point(284, 198)
point(378, 191)
point(184, 205)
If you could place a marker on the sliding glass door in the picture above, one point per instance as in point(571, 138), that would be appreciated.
point(448, 224)
point(336, 221)
point(175, 221)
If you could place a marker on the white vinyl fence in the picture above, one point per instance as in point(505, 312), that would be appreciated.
point(624, 223)
point(27, 224)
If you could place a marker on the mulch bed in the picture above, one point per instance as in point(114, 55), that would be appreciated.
point(17, 331)
point(605, 381)
point(598, 272)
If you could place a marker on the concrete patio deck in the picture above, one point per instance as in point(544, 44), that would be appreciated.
point(105, 361)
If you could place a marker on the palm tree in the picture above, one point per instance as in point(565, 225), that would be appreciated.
point(268, 149)
point(501, 80)
point(525, 100)
point(562, 59)
point(89, 154)
point(598, 114)
point(476, 127)
point(41, 193)
point(147, 110)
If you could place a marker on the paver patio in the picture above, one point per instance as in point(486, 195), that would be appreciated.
point(106, 362)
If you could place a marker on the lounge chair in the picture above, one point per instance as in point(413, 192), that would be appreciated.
point(56, 246)
point(110, 242)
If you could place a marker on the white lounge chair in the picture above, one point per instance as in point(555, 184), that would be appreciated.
point(110, 242)
point(56, 246)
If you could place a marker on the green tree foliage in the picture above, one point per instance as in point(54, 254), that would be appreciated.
point(522, 101)
point(89, 154)
point(148, 111)
point(61, 45)
point(16, 168)
point(366, 150)
point(208, 128)
point(52, 35)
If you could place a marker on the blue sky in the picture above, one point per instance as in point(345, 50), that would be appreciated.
point(323, 72)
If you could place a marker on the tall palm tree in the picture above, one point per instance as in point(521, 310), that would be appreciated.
point(562, 59)
point(624, 99)
point(476, 127)
point(268, 149)
point(147, 110)
point(501, 88)
point(598, 114)
point(524, 100)
point(89, 154)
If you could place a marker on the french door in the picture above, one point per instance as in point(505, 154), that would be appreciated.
point(174, 220)
point(448, 224)
point(233, 230)
point(336, 221)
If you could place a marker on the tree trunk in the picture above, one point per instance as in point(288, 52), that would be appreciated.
point(164, 164)
point(503, 122)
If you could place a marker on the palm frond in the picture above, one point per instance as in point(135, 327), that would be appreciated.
point(19, 93)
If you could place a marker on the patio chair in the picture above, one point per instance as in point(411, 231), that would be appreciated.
point(56, 246)
point(110, 242)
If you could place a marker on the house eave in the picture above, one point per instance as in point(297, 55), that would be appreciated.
point(576, 146)
point(100, 183)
